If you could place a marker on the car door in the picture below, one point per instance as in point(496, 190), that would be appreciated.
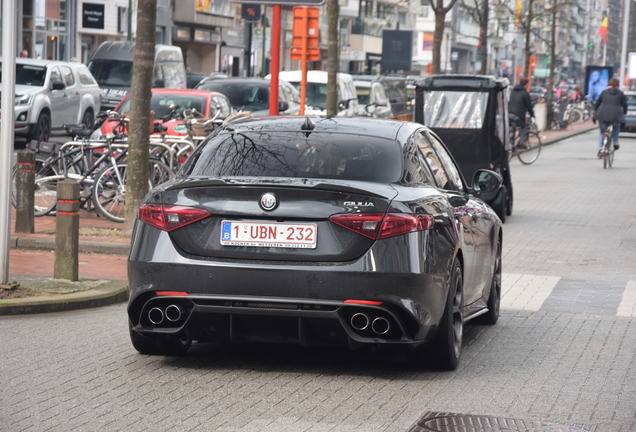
point(73, 96)
point(462, 209)
point(59, 106)
point(481, 223)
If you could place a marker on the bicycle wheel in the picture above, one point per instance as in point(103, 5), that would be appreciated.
point(576, 116)
point(531, 154)
point(158, 172)
point(109, 193)
point(45, 196)
point(608, 156)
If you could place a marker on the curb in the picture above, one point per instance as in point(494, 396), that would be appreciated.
point(113, 292)
point(85, 246)
point(569, 135)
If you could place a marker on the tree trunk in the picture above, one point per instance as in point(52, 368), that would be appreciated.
point(438, 37)
point(332, 57)
point(139, 128)
point(528, 30)
point(483, 38)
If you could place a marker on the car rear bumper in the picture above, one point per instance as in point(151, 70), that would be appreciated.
point(629, 125)
point(306, 303)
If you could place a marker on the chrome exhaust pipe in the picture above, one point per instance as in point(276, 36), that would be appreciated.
point(380, 326)
point(155, 316)
point(173, 313)
point(359, 321)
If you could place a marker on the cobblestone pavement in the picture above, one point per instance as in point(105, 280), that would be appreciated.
point(564, 350)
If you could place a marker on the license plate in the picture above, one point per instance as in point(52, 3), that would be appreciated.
point(268, 234)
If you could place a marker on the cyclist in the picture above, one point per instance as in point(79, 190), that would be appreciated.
point(518, 106)
point(611, 107)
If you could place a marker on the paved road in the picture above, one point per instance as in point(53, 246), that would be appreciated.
point(564, 350)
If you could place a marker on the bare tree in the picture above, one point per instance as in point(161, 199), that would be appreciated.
point(332, 57)
point(480, 14)
point(139, 128)
point(440, 9)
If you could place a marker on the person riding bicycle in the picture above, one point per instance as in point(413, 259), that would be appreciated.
point(611, 107)
point(518, 106)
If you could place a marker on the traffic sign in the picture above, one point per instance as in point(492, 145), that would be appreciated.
point(251, 12)
point(305, 34)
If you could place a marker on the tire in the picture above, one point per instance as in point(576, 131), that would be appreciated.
point(530, 155)
point(88, 119)
point(494, 298)
point(509, 203)
point(109, 195)
point(447, 344)
point(42, 130)
point(576, 116)
point(500, 204)
point(159, 344)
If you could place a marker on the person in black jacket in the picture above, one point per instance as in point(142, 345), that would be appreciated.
point(611, 107)
point(518, 106)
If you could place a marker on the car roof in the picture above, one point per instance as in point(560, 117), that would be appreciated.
point(40, 62)
point(463, 81)
point(193, 92)
point(236, 80)
point(315, 76)
point(388, 129)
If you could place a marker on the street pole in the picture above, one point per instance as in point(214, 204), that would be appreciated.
point(273, 82)
point(248, 54)
point(624, 42)
point(6, 130)
point(129, 35)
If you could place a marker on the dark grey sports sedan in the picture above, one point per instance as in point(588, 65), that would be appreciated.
point(316, 231)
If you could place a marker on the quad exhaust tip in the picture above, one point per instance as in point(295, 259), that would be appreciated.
point(359, 321)
point(155, 316)
point(380, 326)
point(173, 313)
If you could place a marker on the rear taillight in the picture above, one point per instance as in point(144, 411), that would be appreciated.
point(169, 217)
point(379, 226)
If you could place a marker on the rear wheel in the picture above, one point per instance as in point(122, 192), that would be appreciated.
point(447, 344)
point(494, 299)
point(88, 119)
point(42, 130)
point(159, 344)
point(109, 193)
point(45, 192)
point(531, 154)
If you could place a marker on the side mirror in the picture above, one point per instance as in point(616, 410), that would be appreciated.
point(283, 106)
point(370, 108)
point(58, 85)
point(486, 184)
point(158, 83)
point(343, 105)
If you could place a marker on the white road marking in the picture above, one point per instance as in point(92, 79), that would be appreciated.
point(526, 292)
point(627, 307)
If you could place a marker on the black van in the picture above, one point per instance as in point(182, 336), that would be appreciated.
point(111, 65)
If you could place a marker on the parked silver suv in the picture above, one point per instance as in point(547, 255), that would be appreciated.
point(49, 94)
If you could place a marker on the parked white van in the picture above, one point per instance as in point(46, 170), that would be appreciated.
point(317, 92)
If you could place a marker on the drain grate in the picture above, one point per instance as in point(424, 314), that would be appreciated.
point(448, 422)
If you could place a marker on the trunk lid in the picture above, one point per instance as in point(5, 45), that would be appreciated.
point(299, 201)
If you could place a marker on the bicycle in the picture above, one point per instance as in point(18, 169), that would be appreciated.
point(529, 153)
point(607, 150)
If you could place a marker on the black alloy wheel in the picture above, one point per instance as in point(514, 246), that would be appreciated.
point(42, 130)
point(447, 345)
point(88, 119)
point(494, 299)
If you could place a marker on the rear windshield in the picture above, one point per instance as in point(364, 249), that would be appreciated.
point(242, 96)
point(112, 73)
point(29, 75)
point(291, 154)
point(455, 109)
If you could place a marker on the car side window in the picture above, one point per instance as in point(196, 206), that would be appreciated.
point(67, 73)
point(415, 169)
point(433, 162)
point(447, 161)
point(55, 75)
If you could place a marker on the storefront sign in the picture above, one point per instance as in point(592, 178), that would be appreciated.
point(93, 15)
point(204, 6)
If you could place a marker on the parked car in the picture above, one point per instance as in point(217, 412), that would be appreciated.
point(387, 97)
point(317, 92)
point(372, 99)
point(112, 67)
point(49, 94)
point(630, 118)
point(195, 78)
point(207, 103)
point(316, 231)
point(251, 94)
